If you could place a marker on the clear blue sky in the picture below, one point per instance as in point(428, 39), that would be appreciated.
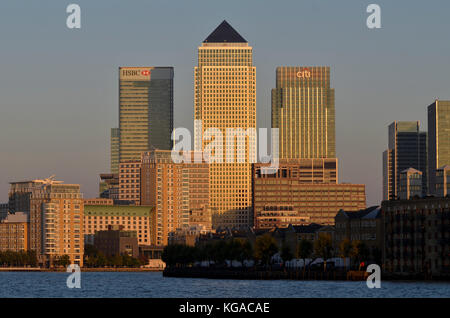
point(58, 87)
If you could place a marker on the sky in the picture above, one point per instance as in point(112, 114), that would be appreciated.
point(59, 86)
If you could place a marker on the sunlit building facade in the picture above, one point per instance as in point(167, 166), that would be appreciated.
point(178, 191)
point(56, 222)
point(438, 139)
point(307, 187)
point(225, 97)
point(303, 110)
point(114, 150)
point(145, 110)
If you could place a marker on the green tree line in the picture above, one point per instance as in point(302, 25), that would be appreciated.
point(261, 253)
point(17, 259)
point(95, 258)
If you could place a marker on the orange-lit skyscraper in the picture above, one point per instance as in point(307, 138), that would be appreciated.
point(225, 97)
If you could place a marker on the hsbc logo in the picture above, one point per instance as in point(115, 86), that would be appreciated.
point(138, 74)
point(304, 74)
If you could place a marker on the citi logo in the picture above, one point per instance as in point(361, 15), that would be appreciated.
point(304, 74)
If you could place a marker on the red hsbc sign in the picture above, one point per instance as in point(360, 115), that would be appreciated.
point(145, 72)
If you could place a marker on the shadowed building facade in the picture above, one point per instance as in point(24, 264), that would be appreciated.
point(225, 97)
point(407, 148)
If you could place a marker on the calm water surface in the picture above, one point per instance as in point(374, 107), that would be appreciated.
point(113, 284)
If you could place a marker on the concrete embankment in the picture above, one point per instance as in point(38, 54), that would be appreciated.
point(83, 269)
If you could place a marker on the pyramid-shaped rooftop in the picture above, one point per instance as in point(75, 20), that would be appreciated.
point(224, 33)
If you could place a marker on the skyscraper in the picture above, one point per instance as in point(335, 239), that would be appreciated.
point(407, 148)
point(225, 97)
point(438, 139)
point(114, 150)
point(145, 110)
point(303, 111)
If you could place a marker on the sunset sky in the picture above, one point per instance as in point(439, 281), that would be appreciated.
point(59, 87)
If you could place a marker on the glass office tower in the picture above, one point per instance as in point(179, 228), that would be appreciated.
point(407, 149)
point(145, 110)
point(225, 97)
point(114, 150)
point(438, 139)
point(303, 110)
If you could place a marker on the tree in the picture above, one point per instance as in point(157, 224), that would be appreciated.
point(323, 248)
point(246, 251)
point(345, 249)
point(286, 254)
point(265, 248)
point(359, 252)
point(63, 260)
point(304, 251)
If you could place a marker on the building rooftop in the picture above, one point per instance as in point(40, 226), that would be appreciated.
point(370, 213)
point(117, 210)
point(411, 170)
point(18, 217)
point(224, 33)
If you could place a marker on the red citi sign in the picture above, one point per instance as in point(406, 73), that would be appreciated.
point(145, 72)
point(304, 73)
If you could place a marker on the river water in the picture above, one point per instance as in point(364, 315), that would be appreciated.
point(153, 284)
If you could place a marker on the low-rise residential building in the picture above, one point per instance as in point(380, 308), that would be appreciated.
point(116, 241)
point(365, 226)
point(417, 236)
point(14, 232)
point(292, 235)
point(132, 217)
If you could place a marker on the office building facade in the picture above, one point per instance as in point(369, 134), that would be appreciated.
point(130, 181)
point(114, 150)
point(410, 184)
point(225, 97)
point(307, 186)
point(132, 218)
point(443, 181)
point(145, 110)
point(3, 210)
point(303, 110)
point(407, 148)
point(178, 191)
point(438, 139)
